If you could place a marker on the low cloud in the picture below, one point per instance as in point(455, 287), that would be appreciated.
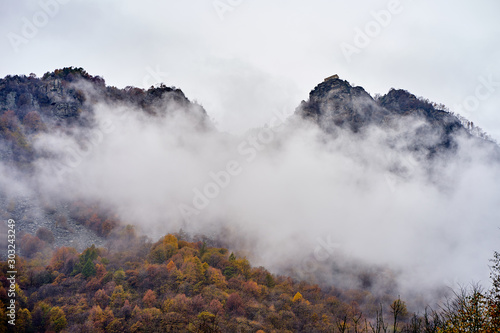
point(372, 201)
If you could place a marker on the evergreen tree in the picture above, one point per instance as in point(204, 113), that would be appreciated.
point(89, 269)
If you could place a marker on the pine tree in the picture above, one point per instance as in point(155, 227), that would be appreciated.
point(89, 269)
point(270, 283)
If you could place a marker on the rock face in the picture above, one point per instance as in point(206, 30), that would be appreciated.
point(49, 96)
point(335, 102)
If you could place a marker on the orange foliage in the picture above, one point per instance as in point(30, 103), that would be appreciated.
point(171, 266)
point(149, 298)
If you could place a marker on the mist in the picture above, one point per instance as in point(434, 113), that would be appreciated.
point(287, 195)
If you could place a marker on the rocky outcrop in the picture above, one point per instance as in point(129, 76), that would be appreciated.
point(335, 103)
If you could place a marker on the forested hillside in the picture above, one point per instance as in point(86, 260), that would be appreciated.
point(174, 285)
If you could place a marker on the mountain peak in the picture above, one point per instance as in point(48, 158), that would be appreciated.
point(334, 102)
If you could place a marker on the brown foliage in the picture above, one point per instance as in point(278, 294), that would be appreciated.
point(45, 235)
point(31, 245)
point(234, 304)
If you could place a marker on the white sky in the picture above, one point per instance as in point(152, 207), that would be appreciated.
point(261, 57)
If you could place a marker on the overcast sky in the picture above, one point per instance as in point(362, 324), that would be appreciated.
point(243, 60)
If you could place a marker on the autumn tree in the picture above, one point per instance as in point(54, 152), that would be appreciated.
point(117, 325)
point(57, 319)
point(216, 277)
point(31, 245)
point(467, 311)
point(175, 322)
point(243, 267)
point(216, 307)
point(181, 304)
point(119, 276)
point(101, 298)
point(99, 319)
point(298, 297)
point(126, 310)
point(3, 318)
point(63, 259)
point(215, 257)
point(171, 266)
point(494, 293)
point(41, 316)
point(234, 304)
point(207, 322)
point(149, 299)
point(118, 297)
point(164, 249)
point(45, 235)
point(146, 320)
point(194, 270)
point(9, 121)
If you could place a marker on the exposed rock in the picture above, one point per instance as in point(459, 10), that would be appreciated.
point(335, 102)
point(66, 110)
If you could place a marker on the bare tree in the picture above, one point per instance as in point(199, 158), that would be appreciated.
point(380, 326)
point(398, 309)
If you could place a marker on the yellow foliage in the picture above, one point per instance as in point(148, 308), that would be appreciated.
point(167, 304)
point(215, 277)
point(297, 297)
point(243, 266)
point(172, 240)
